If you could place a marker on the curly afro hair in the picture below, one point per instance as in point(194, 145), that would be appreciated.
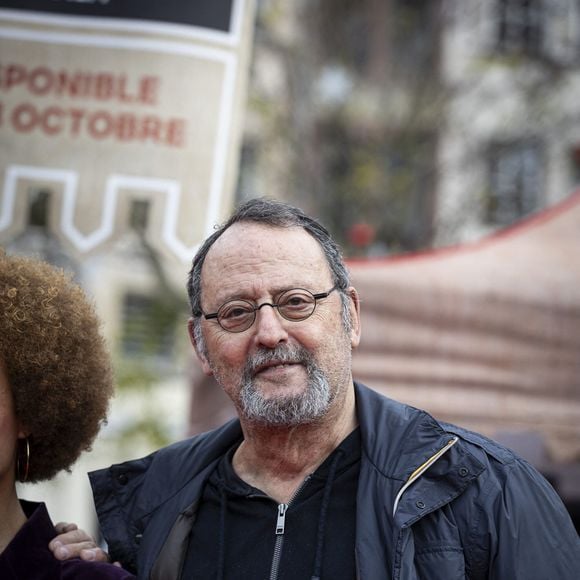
point(55, 360)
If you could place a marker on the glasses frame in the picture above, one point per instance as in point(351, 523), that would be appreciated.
point(276, 305)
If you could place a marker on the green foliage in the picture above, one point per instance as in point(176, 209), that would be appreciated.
point(147, 356)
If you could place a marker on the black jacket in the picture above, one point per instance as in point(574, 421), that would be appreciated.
point(434, 502)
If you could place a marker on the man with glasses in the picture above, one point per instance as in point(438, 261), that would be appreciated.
point(319, 477)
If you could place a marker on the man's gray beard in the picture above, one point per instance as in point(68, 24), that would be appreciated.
point(290, 410)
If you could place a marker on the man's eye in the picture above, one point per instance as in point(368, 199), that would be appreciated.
point(296, 301)
point(233, 312)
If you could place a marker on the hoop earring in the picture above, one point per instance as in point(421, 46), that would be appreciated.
point(23, 460)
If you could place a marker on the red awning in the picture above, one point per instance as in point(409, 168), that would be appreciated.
point(485, 335)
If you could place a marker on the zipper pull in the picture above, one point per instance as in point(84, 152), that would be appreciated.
point(281, 520)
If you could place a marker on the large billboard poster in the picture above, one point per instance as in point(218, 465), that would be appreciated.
point(108, 101)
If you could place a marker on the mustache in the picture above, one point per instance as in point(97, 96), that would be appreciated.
point(281, 354)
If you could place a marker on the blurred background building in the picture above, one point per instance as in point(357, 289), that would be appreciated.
point(408, 127)
point(455, 118)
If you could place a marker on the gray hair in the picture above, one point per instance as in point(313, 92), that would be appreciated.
point(276, 214)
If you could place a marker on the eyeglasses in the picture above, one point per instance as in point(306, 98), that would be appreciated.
point(296, 304)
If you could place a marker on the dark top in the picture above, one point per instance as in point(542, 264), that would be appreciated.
point(27, 556)
point(477, 512)
point(235, 528)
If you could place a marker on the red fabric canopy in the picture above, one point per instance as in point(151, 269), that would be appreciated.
point(485, 335)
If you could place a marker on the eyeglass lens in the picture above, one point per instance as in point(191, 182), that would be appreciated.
point(239, 315)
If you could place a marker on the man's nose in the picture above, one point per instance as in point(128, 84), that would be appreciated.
point(270, 326)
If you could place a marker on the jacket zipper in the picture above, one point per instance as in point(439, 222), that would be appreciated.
point(280, 527)
point(422, 469)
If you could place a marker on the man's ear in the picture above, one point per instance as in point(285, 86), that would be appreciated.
point(354, 305)
point(198, 351)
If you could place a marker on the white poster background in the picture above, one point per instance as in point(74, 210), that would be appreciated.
point(196, 79)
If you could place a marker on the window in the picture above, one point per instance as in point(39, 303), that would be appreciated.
point(139, 214)
point(520, 26)
point(148, 327)
point(543, 29)
point(516, 180)
point(39, 207)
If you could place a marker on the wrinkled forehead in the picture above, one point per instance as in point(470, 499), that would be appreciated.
point(250, 251)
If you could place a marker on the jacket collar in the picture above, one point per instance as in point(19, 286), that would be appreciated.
point(397, 440)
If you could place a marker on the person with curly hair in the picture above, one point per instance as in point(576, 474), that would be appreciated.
point(55, 386)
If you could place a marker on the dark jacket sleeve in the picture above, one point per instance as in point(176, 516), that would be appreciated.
point(531, 535)
point(116, 493)
point(130, 496)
